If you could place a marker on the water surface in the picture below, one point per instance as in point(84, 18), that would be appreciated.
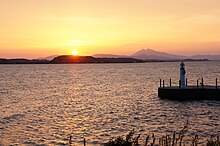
point(44, 104)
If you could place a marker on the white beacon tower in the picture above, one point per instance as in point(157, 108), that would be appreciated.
point(182, 75)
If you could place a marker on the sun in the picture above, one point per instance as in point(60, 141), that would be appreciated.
point(74, 52)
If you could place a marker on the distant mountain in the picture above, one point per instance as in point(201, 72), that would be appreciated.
point(109, 56)
point(209, 57)
point(70, 59)
point(149, 54)
point(49, 58)
point(73, 59)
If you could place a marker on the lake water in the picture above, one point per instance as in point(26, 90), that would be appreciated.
point(44, 104)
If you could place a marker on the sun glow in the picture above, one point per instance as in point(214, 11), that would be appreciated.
point(74, 52)
point(108, 27)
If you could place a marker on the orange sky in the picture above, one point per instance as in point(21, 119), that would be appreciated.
point(39, 28)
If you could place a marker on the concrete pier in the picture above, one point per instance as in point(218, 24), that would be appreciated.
point(190, 93)
point(185, 92)
point(198, 92)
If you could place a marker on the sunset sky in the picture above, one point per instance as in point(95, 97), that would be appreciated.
point(40, 28)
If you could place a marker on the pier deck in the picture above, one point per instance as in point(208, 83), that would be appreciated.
point(185, 92)
point(190, 93)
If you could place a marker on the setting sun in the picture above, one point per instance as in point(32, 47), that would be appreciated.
point(74, 52)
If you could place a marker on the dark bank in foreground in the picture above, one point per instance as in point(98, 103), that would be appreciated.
point(176, 139)
point(71, 59)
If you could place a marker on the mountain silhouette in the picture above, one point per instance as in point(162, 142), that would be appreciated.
point(109, 56)
point(49, 58)
point(209, 57)
point(70, 59)
point(146, 54)
point(150, 54)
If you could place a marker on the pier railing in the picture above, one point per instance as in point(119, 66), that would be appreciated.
point(198, 85)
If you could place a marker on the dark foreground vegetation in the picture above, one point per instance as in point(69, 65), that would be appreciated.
point(166, 140)
point(177, 139)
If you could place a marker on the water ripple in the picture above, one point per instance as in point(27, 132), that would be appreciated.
point(45, 104)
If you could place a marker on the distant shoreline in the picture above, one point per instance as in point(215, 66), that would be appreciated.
point(70, 59)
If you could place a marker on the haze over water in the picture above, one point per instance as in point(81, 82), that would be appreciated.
point(44, 104)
